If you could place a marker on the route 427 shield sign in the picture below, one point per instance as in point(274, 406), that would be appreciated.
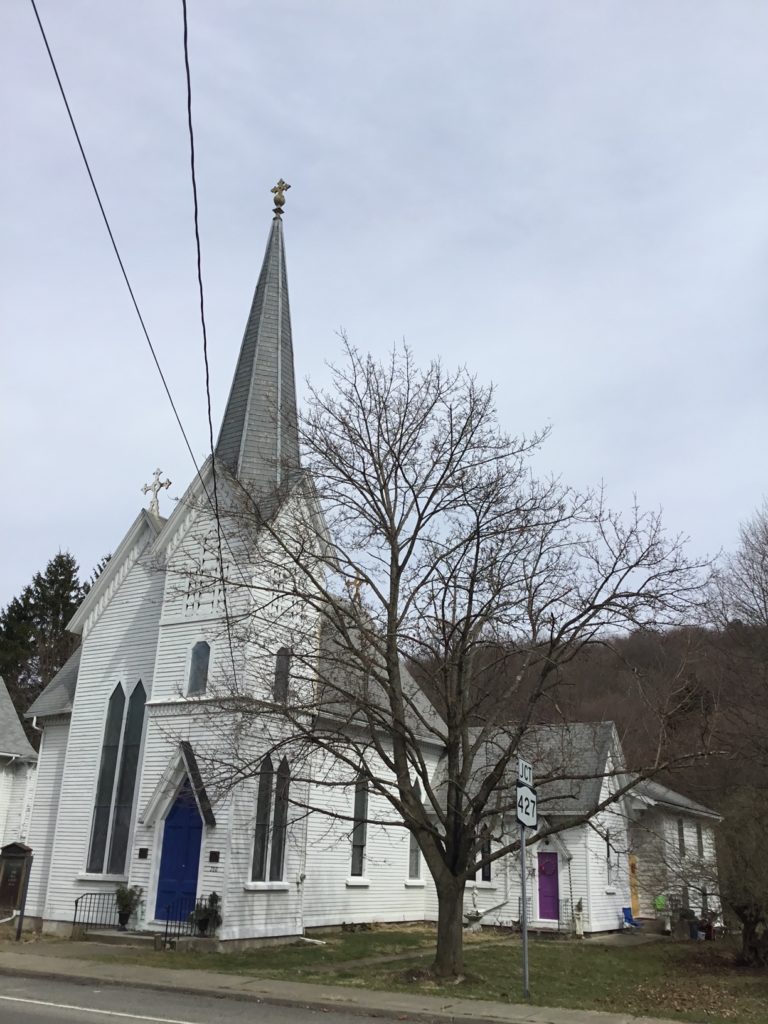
point(526, 805)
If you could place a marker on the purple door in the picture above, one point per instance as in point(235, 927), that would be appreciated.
point(549, 889)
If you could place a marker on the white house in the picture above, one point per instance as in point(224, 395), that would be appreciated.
point(17, 773)
point(123, 797)
point(673, 850)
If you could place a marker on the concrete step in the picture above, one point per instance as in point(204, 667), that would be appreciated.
point(115, 937)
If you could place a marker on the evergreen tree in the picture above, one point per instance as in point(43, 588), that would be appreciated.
point(34, 643)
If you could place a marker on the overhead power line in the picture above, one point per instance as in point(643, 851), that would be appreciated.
point(112, 240)
point(196, 212)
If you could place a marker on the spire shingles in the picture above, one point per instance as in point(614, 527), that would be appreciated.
point(259, 436)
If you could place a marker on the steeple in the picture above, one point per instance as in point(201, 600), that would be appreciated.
point(259, 439)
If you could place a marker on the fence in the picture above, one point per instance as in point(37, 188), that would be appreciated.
point(95, 910)
point(189, 916)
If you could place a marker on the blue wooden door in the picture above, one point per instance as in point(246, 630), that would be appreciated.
point(180, 859)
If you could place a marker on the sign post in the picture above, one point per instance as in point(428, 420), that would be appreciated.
point(527, 817)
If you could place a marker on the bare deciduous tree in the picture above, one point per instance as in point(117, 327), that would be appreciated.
point(416, 561)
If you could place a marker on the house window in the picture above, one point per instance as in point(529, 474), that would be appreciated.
point(126, 783)
point(114, 805)
point(704, 901)
point(271, 826)
point(699, 840)
point(359, 827)
point(485, 851)
point(282, 674)
point(686, 898)
point(681, 836)
point(414, 853)
point(608, 858)
point(198, 668)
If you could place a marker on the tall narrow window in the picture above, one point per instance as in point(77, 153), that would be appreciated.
point(282, 674)
point(699, 839)
point(681, 836)
point(608, 858)
point(129, 763)
point(280, 822)
point(198, 667)
point(485, 851)
point(359, 828)
point(686, 897)
point(704, 901)
point(106, 783)
point(263, 808)
point(414, 853)
point(271, 829)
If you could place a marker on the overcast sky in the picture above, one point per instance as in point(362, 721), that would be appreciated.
point(571, 198)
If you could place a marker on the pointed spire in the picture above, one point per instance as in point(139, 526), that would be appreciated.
point(259, 435)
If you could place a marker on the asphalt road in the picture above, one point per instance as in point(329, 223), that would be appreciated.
point(43, 1001)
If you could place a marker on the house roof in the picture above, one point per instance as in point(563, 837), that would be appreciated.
point(144, 521)
point(655, 794)
point(569, 763)
point(59, 695)
point(259, 439)
point(570, 759)
point(13, 739)
point(347, 691)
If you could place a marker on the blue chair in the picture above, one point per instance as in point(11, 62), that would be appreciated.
point(629, 921)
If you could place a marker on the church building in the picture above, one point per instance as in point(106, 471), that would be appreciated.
point(123, 797)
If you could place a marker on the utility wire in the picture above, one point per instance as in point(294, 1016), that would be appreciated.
point(114, 243)
point(205, 338)
point(125, 273)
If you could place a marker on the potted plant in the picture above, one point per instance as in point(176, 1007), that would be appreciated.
point(206, 915)
point(127, 900)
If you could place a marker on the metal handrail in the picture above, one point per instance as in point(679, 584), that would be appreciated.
point(95, 910)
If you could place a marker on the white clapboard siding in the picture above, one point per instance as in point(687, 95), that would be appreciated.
point(119, 649)
point(607, 897)
point(385, 892)
point(45, 810)
point(17, 782)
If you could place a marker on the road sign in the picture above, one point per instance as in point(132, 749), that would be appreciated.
point(525, 772)
point(526, 805)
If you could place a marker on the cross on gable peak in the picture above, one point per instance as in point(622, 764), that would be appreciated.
point(155, 487)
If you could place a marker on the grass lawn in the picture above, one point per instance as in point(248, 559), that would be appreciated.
point(684, 980)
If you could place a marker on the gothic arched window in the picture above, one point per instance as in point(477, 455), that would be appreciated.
point(114, 804)
point(414, 852)
point(359, 828)
point(271, 827)
point(198, 667)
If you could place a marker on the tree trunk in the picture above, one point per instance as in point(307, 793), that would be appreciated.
point(449, 958)
point(754, 943)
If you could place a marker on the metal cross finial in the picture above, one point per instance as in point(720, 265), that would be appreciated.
point(279, 193)
point(155, 487)
point(353, 589)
